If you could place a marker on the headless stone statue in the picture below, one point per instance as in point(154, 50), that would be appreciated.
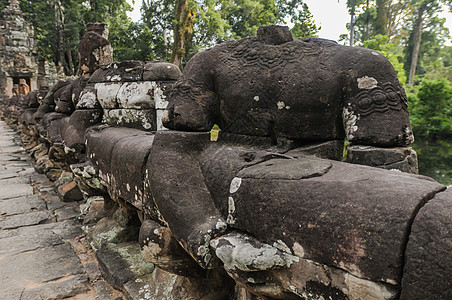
point(338, 230)
point(298, 89)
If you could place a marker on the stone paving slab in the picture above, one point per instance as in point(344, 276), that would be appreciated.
point(40, 256)
point(23, 205)
point(13, 180)
point(65, 230)
point(52, 263)
point(28, 242)
point(27, 219)
point(68, 286)
point(15, 190)
point(16, 173)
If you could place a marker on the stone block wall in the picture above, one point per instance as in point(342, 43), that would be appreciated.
point(131, 94)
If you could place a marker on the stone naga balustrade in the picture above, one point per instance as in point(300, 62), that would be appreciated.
point(270, 204)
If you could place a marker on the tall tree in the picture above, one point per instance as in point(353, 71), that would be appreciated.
point(352, 7)
point(213, 21)
point(157, 16)
point(425, 9)
point(59, 25)
point(183, 29)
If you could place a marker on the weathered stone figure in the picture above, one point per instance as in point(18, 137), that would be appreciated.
point(94, 49)
point(303, 90)
point(338, 230)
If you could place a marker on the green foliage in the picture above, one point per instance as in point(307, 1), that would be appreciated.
point(157, 17)
point(431, 108)
point(431, 52)
point(435, 158)
point(76, 14)
point(304, 25)
point(3, 4)
point(392, 52)
point(42, 15)
point(221, 20)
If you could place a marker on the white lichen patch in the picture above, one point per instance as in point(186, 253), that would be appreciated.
point(280, 105)
point(136, 95)
point(115, 78)
point(159, 96)
point(375, 53)
point(67, 150)
point(106, 94)
point(279, 244)
point(409, 136)
point(367, 83)
point(160, 113)
point(239, 252)
point(127, 117)
point(231, 210)
point(298, 250)
point(90, 170)
point(231, 205)
point(88, 99)
point(220, 226)
point(349, 118)
point(151, 252)
point(230, 220)
point(235, 185)
point(96, 54)
point(106, 55)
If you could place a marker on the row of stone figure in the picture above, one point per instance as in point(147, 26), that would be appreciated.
point(271, 202)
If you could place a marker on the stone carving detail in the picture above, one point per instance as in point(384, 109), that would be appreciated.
point(379, 100)
point(94, 49)
point(255, 53)
point(255, 88)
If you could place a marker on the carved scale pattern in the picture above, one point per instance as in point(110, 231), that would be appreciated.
point(380, 99)
point(253, 53)
point(187, 87)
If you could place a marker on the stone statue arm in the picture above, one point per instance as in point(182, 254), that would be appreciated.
point(375, 108)
point(193, 104)
point(375, 113)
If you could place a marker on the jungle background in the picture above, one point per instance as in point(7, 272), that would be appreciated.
point(409, 33)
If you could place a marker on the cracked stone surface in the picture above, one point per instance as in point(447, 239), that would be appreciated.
point(42, 255)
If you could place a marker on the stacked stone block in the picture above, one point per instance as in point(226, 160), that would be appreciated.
point(131, 93)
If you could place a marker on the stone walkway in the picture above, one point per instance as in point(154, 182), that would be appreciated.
point(43, 251)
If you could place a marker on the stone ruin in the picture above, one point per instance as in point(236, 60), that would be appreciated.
point(269, 210)
point(21, 69)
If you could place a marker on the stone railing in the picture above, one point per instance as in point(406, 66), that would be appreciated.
point(269, 210)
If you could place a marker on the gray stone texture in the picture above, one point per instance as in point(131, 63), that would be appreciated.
point(428, 266)
point(39, 256)
point(353, 217)
point(400, 158)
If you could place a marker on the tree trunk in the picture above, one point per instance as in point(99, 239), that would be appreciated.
point(70, 62)
point(416, 42)
point(382, 17)
point(59, 18)
point(182, 31)
point(352, 26)
point(367, 21)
